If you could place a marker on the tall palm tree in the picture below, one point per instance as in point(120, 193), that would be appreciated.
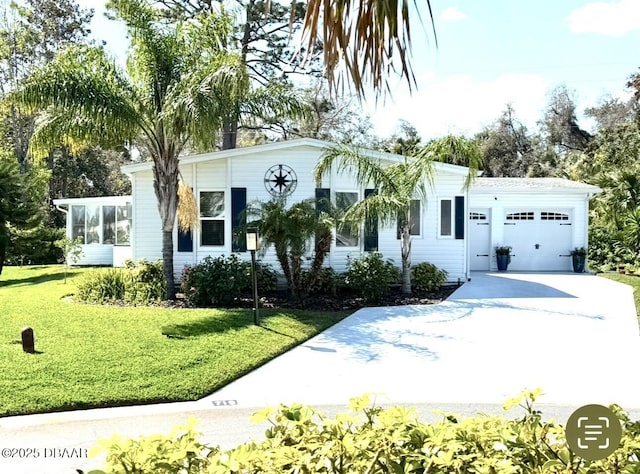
point(396, 184)
point(181, 81)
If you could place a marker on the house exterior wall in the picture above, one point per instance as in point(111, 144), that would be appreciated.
point(248, 171)
point(501, 203)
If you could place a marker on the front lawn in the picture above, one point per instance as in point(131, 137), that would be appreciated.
point(92, 356)
point(632, 281)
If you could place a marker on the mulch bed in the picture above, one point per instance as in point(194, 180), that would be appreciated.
point(345, 302)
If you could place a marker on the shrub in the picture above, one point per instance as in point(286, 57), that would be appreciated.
point(370, 276)
point(101, 286)
point(325, 282)
point(426, 277)
point(139, 283)
point(216, 281)
point(145, 283)
point(267, 278)
point(376, 440)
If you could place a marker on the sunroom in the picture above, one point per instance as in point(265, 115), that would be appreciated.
point(103, 225)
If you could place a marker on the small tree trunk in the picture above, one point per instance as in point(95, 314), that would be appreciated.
point(167, 263)
point(405, 242)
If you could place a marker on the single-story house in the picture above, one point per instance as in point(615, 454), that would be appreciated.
point(455, 228)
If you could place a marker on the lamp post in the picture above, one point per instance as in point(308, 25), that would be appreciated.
point(252, 245)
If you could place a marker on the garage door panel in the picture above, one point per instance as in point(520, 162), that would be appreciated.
point(540, 240)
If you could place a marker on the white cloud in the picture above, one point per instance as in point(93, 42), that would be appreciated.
point(611, 19)
point(461, 105)
point(452, 14)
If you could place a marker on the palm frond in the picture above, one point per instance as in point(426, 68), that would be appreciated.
point(371, 38)
point(455, 150)
point(349, 159)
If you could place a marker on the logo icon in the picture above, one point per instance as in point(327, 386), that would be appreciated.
point(280, 180)
point(593, 432)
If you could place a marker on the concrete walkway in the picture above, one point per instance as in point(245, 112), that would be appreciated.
point(575, 336)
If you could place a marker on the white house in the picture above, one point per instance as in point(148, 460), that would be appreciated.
point(453, 228)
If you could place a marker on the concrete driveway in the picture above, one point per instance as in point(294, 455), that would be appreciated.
point(574, 335)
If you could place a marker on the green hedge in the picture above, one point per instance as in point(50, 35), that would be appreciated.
point(373, 440)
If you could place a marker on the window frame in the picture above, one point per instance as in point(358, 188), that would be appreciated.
point(220, 218)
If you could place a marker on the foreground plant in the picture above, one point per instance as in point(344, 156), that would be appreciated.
point(372, 439)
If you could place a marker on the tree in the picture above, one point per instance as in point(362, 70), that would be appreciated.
point(180, 80)
point(561, 125)
point(290, 230)
point(261, 33)
point(15, 210)
point(396, 185)
point(507, 147)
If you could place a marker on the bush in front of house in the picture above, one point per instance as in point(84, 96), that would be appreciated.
point(144, 282)
point(140, 283)
point(370, 276)
point(426, 277)
point(323, 282)
point(216, 281)
point(221, 281)
point(378, 441)
point(101, 286)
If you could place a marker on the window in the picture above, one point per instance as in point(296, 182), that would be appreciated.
point(553, 216)
point(414, 219)
point(212, 218)
point(347, 235)
point(77, 223)
point(93, 224)
point(446, 218)
point(520, 216)
point(123, 225)
point(477, 216)
point(108, 224)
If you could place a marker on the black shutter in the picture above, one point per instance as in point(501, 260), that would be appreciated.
point(323, 199)
point(371, 227)
point(323, 202)
point(459, 217)
point(238, 206)
point(185, 241)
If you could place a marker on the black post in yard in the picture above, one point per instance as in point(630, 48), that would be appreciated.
point(254, 274)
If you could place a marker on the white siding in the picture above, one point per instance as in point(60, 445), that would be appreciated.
point(147, 229)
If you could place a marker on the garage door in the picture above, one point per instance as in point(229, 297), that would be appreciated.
point(541, 239)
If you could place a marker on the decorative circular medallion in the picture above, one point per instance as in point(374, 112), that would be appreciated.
point(280, 180)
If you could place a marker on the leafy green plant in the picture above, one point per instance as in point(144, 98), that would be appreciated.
point(426, 277)
point(503, 250)
point(324, 283)
point(144, 282)
point(579, 251)
point(218, 281)
point(140, 283)
point(371, 276)
point(375, 440)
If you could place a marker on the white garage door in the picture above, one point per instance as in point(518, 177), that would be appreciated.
point(541, 239)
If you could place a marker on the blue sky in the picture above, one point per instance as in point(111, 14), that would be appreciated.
point(494, 53)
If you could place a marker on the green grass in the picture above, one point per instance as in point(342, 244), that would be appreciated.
point(632, 281)
point(94, 356)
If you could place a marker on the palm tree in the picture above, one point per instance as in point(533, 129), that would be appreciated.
point(181, 80)
point(370, 37)
point(397, 185)
point(291, 230)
